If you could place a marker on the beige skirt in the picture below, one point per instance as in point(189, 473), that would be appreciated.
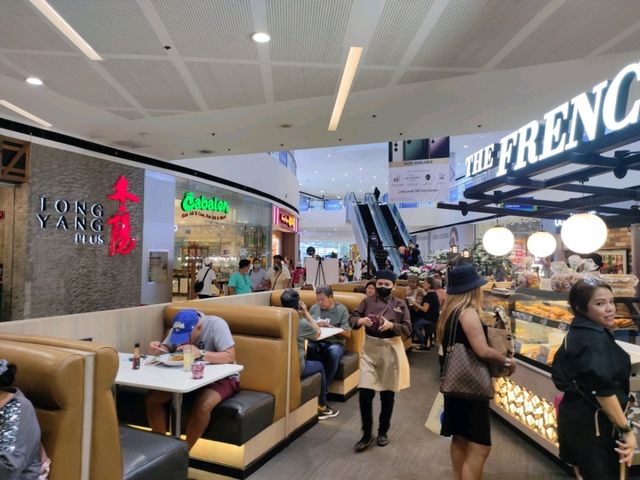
point(384, 364)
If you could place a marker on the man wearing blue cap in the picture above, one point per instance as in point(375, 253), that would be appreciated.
point(191, 328)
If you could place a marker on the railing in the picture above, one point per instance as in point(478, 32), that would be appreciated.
point(404, 231)
point(310, 204)
point(359, 230)
point(285, 157)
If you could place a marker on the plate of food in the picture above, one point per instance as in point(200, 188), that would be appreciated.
point(171, 359)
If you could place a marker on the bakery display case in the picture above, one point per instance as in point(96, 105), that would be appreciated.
point(540, 319)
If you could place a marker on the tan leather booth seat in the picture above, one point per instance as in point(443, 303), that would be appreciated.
point(345, 383)
point(268, 409)
point(53, 380)
point(75, 368)
point(398, 291)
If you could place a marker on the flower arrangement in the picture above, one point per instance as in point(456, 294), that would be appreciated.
point(492, 263)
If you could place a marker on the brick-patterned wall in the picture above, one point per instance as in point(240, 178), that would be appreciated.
point(60, 276)
point(619, 239)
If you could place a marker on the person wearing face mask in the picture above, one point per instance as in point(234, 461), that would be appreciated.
point(384, 366)
point(279, 275)
point(259, 277)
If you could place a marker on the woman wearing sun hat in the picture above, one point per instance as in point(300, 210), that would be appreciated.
point(467, 421)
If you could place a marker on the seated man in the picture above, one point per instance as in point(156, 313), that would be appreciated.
point(191, 328)
point(308, 330)
point(329, 313)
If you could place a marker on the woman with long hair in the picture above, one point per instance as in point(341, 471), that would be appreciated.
point(467, 421)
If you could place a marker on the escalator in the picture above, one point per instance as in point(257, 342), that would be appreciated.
point(392, 225)
point(367, 219)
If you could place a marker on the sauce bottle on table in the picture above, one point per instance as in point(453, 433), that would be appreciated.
point(135, 361)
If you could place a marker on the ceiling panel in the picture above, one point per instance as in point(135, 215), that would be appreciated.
point(209, 28)
point(471, 32)
point(415, 77)
point(567, 35)
point(154, 84)
point(113, 26)
point(398, 25)
point(71, 77)
point(629, 44)
point(9, 72)
point(303, 82)
point(165, 113)
point(231, 85)
point(128, 114)
point(21, 26)
point(307, 30)
point(368, 79)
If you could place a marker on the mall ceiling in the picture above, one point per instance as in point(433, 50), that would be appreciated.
point(183, 78)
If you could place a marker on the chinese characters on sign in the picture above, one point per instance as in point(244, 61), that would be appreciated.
point(285, 220)
point(121, 240)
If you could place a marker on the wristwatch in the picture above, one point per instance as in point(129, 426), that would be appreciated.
point(626, 429)
point(507, 363)
point(202, 354)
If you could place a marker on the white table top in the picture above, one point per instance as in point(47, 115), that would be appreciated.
point(326, 332)
point(169, 379)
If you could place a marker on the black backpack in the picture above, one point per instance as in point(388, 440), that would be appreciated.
point(199, 285)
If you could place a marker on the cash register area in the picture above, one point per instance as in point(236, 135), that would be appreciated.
point(414, 452)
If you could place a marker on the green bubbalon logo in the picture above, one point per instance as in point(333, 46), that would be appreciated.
point(190, 202)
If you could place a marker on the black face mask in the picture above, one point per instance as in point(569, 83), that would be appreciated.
point(384, 292)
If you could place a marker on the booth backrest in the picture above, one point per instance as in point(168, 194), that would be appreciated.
point(348, 299)
point(106, 455)
point(265, 343)
point(52, 379)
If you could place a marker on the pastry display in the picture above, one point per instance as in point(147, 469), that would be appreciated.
point(622, 285)
point(540, 309)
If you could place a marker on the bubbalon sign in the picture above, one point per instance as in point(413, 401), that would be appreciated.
point(86, 219)
point(212, 208)
point(285, 220)
point(585, 118)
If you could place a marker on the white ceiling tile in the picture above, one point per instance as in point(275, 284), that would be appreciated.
point(71, 77)
point(567, 35)
point(228, 85)
point(290, 83)
point(21, 26)
point(9, 72)
point(398, 25)
point(154, 84)
point(471, 32)
point(128, 114)
point(368, 79)
point(110, 26)
point(209, 28)
point(415, 77)
point(307, 30)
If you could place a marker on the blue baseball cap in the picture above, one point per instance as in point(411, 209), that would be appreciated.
point(183, 324)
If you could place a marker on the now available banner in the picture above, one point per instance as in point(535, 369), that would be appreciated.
point(419, 180)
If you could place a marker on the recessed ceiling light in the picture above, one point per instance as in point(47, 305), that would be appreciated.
point(315, 171)
point(260, 37)
point(339, 197)
point(33, 81)
point(349, 73)
point(466, 146)
point(333, 179)
point(321, 191)
point(25, 114)
point(346, 174)
point(66, 29)
point(374, 176)
point(348, 185)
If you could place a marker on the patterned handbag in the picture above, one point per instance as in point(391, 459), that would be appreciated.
point(464, 375)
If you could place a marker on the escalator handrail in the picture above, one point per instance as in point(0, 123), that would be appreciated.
point(384, 234)
point(353, 213)
point(402, 228)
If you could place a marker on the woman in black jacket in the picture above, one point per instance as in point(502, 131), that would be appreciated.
point(593, 371)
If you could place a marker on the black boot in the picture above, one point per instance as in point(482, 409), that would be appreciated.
point(387, 399)
point(366, 412)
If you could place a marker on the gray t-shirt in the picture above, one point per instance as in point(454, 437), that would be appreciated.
point(215, 335)
point(338, 316)
point(257, 279)
point(305, 332)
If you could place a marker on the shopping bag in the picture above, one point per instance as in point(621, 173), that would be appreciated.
point(434, 420)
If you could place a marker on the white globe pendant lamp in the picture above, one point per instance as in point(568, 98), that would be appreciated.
point(584, 233)
point(541, 244)
point(498, 241)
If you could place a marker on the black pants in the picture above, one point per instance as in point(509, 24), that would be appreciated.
point(387, 398)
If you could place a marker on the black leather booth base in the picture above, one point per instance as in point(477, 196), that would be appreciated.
point(236, 420)
point(349, 364)
point(310, 387)
point(150, 456)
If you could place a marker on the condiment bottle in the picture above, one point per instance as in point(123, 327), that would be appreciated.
point(135, 361)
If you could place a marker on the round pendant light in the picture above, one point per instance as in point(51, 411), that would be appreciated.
point(498, 241)
point(541, 244)
point(584, 233)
